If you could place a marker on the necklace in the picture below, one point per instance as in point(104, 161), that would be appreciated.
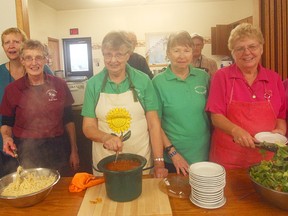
point(252, 92)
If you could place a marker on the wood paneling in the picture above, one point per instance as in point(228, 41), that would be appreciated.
point(220, 35)
point(22, 16)
point(273, 19)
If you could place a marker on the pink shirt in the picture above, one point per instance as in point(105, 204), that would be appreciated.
point(267, 84)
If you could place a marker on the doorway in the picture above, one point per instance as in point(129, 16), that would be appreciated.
point(54, 54)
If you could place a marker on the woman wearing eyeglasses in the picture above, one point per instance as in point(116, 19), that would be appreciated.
point(12, 39)
point(36, 111)
point(245, 99)
point(120, 108)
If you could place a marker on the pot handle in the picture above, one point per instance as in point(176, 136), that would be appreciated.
point(94, 168)
point(148, 167)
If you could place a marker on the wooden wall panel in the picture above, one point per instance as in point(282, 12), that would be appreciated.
point(273, 19)
point(22, 16)
point(284, 10)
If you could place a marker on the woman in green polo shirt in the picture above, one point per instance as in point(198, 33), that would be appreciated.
point(120, 108)
point(182, 92)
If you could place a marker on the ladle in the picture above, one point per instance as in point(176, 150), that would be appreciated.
point(16, 156)
point(116, 156)
point(123, 138)
point(19, 177)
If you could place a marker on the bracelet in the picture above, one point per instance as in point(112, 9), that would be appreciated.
point(167, 149)
point(159, 159)
point(172, 153)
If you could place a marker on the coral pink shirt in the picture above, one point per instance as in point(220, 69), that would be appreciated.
point(267, 84)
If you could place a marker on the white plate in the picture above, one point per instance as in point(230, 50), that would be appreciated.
point(206, 169)
point(207, 179)
point(271, 137)
point(206, 206)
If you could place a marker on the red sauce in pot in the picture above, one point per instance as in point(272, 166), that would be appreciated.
point(122, 165)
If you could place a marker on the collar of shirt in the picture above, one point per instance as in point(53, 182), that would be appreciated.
point(170, 75)
point(236, 73)
point(24, 81)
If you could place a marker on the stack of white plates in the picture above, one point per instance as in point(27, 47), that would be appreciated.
point(207, 180)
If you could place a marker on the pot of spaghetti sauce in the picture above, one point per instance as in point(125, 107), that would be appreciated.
point(123, 178)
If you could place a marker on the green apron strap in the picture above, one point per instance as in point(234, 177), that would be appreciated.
point(104, 81)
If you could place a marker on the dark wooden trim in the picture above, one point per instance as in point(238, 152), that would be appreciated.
point(273, 19)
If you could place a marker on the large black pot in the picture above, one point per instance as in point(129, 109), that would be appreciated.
point(123, 186)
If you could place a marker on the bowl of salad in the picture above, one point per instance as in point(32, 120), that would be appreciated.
point(270, 179)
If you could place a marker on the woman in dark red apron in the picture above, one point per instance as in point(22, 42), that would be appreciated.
point(244, 99)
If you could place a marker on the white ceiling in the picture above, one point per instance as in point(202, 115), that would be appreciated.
point(89, 4)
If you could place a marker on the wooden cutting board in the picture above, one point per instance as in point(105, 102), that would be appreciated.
point(152, 201)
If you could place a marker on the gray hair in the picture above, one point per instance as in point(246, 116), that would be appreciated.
point(115, 40)
point(34, 45)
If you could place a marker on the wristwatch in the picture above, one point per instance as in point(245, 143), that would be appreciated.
point(168, 148)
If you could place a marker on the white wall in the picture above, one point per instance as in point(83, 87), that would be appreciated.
point(7, 20)
point(42, 21)
point(95, 23)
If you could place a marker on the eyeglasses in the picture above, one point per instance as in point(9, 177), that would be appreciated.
point(117, 56)
point(38, 59)
point(242, 49)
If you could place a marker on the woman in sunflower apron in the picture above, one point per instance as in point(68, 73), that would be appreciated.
point(120, 108)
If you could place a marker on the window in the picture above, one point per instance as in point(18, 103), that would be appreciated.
point(78, 57)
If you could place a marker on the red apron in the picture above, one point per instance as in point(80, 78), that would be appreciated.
point(254, 117)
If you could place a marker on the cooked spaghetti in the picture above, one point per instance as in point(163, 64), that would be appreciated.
point(27, 183)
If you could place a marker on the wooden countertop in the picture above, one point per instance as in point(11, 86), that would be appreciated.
point(239, 192)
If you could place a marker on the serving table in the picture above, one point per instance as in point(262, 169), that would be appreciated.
point(239, 192)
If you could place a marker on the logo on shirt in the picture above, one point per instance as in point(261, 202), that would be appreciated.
point(200, 89)
point(268, 94)
point(52, 94)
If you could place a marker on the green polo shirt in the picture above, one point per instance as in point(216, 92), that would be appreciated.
point(182, 112)
point(143, 85)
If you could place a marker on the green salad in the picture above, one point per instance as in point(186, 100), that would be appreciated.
point(274, 173)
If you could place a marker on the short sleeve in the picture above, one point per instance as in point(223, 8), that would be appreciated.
point(90, 100)
point(150, 98)
point(217, 99)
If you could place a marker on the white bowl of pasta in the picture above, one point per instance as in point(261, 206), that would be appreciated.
point(34, 186)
